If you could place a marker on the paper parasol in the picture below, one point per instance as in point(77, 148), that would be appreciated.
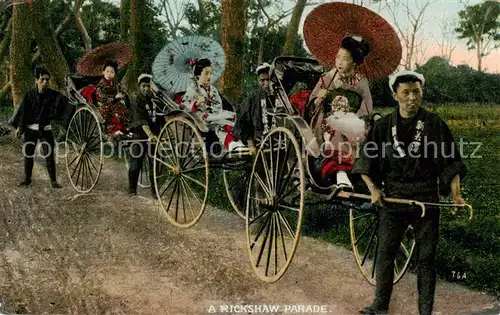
point(171, 68)
point(328, 24)
point(92, 62)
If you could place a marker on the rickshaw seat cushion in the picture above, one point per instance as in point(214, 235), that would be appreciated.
point(88, 93)
point(300, 99)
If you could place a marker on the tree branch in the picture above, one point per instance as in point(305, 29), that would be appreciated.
point(6, 87)
point(4, 45)
point(173, 20)
point(87, 41)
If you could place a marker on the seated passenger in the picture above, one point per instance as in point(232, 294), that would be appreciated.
point(203, 99)
point(111, 101)
point(343, 105)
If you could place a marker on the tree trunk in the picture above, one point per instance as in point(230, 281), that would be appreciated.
point(293, 27)
point(262, 40)
point(50, 51)
point(137, 8)
point(479, 49)
point(201, 17)
point(20, 52)
point(87, 41)
point(124, 19)
point(233, 24)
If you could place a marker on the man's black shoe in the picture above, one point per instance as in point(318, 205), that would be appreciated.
point(26, 183)
point(373, 311)
point(132, 192)
point(56, 185)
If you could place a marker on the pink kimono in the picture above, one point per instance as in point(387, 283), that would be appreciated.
point(340, 125)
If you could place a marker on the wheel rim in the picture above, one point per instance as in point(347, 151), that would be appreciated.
point(236, 177)
point(275, 203)
point(181, 173)
point(363, 229)
point(84, 155)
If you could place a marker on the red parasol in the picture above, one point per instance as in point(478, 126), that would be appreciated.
point(328, 24)
point(92, 62)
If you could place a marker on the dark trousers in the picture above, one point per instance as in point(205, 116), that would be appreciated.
point(392, 226)
point(138, 152)
point(31, 137)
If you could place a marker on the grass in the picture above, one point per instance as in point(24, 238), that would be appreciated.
point(465, 247)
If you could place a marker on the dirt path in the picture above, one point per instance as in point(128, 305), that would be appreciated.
point(106, 253)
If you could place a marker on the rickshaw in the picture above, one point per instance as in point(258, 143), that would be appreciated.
point(271, 189)
point(86, 143)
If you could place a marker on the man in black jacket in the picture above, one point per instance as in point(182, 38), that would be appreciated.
point(145, 125)
point(409, 154)
point(39, 107)
point(251, 124)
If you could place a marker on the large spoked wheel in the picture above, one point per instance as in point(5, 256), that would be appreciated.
point(363, 227)
point(143, 180)
point(84, 150)
point(236, 177)
point(181, 172)
point(275, 204)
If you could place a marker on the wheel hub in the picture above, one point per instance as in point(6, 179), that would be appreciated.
point(270, 203)
point(176, 171)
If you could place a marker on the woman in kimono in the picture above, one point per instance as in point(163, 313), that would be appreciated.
point(110, 98)
point(343, 106)
point(203, 99)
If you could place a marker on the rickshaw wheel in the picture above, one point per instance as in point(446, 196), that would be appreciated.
point(180, 172)
point(236, 176)
point(143, 180)
point(363, 224)
point(84, 150)
point(275, 203)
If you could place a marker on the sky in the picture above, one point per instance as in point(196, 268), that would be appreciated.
point(435, 13)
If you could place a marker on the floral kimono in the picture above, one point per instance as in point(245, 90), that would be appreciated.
point(112, 110)
point(210, 110)
point(340, 124)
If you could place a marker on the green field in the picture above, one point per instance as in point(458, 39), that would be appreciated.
point(469, 251)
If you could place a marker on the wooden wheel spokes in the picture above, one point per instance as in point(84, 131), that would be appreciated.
point(84, 150)
point(181, 172)
point(363, 226)
point(364, 241)
point(275, 203)
point(405, 252)
point(236, 176)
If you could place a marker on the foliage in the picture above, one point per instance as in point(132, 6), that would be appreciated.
point(480, 23)
point(274, 37)
point(102, 21)
point(381, 93)
point(211, 19)
point(461, 84)
point(274, 41)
